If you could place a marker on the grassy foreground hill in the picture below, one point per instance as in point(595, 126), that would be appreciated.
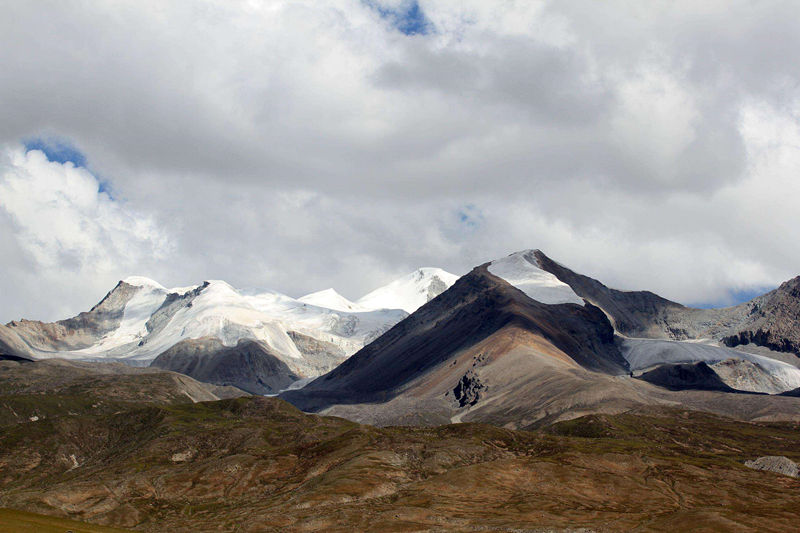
point(12, 521)
point(259, 464)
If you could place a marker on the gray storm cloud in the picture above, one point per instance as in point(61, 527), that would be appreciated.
point(300, 145)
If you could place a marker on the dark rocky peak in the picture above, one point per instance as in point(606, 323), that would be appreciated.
point(478, 305)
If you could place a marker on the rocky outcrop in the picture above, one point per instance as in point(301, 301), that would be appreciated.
point(172, 304)
point(249, 365)
point(436, 287)
point(767, 339)
point(773, 320)
point(468, 390)
point(322, 355)
point(775, 463)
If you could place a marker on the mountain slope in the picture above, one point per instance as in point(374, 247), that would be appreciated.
point(771, 320)
point(257, 464)
point(633, 313)
point(651, 326)
point(478, 311)
point(78, 332)
point(39, 390)
point(249, 365)
point(522, 341)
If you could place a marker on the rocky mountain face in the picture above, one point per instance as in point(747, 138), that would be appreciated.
point(25, 337)
point(771, 320)
point(523, 340)
point(260, 341)
point(478, 306)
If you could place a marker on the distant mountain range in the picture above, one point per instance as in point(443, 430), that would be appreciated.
point(260, 341)
point(635, 409)
point(519, 341)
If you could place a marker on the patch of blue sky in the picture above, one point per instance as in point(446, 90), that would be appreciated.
point(57, 150)
point(470, 216)
point(407, 17)
point(60, 150)
point(735, 297)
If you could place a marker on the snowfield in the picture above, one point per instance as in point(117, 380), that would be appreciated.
point(410, 292)
point(521, 270)
point(156, 318)
point(739, 370)
point(331, 299)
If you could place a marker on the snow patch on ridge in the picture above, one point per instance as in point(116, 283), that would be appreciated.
point(141, 281)
point(521, 270)
point(137, 312)
point(332, 300)
point(410, 292)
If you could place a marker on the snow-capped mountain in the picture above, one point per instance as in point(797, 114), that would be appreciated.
point(331, 299)
point(140, 319)
point(410, 292)
point(523, 338)
point(521, 270)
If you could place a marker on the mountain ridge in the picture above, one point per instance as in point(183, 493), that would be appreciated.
point(140, 319)
point(487, 350)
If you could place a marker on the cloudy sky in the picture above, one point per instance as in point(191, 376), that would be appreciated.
point(299, 145)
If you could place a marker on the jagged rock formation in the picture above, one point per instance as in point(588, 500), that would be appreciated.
point(469, 389)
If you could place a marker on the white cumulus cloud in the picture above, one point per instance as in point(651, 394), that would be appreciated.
point(299, 144)
point(69, 237)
